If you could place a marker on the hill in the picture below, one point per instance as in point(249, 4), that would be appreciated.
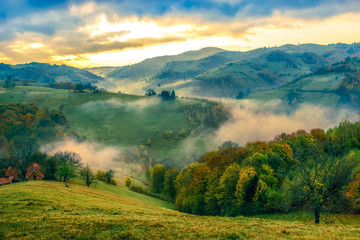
point(331, 85)
point(49, 210)
point(226, 73)
point(158, 128)
point(45, 73)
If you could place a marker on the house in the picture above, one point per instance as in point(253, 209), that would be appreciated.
point(12, 172)
point(34, 172)
point(11, 175)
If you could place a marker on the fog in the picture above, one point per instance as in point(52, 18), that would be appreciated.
point(137, 105)
point(253, 120)
point(94, 154)
point(249, 121)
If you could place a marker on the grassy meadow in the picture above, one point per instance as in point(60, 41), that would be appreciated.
point(316, 89)
point(118, 120)
point(49, 210)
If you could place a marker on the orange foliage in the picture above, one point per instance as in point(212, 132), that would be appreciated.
point(353, 193)
point(258, 146)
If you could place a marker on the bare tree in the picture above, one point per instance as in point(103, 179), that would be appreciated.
point(71, 158)
point(21, 148)
point(87, 175)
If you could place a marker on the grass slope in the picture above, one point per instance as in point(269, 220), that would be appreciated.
point(115, 119)
point(49, 210)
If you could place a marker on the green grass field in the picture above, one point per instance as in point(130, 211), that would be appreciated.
point(118, 120)
point(316, 89)
point(49, 210)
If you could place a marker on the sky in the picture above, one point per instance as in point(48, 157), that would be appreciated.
point(114, 33)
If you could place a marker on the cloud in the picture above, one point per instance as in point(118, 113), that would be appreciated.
point(78, 31)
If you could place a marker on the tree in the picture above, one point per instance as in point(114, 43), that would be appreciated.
point(9, 82)
point(315, 168)
point(227, 188)
point(165, 94)
point(172, 95)
point(150, 92)
point(66, 171)
point(50, 167)
point(109, 174)
point(71, 158)
point(21, 149)
point(169, 182)
point(157, 178)
point(228, 144)
point(128, 182)
point(87, 175)
point(100, 176)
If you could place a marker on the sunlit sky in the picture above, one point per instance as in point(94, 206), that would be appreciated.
point(114, 33)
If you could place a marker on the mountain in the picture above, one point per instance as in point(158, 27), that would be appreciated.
point(213, 72)
point(45, 73)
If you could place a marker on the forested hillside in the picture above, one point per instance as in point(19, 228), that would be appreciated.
point(314, 170)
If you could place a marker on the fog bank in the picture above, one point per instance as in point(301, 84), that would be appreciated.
point(247, 124)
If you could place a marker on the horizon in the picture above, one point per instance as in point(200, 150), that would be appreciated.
point(99, 33)
point(194, 50)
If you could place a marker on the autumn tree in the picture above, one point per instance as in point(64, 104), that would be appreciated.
point(128, 182)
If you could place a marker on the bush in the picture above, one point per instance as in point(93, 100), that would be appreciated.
point(128, 182)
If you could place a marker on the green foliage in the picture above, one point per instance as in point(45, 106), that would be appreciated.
point(209, 114)
point(109, 175)
point(100, 176)
point(65, 171)
point(227, 188)
point(157, 178)
point(87, 175)
point(169, 182)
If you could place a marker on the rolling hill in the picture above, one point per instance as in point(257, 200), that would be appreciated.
point(45, 73)
point(160, 128)
point(49, 210)
point(321, 87)
point(213, 72)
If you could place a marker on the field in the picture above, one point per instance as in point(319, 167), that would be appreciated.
point(118, 120)
point(49, 210)
point(316, 89)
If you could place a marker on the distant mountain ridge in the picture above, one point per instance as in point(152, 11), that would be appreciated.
point(47, 73)
point(208, 72)
point(214, 72)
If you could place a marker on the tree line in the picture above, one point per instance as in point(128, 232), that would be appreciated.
point(77, 87)
point(314, 170)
